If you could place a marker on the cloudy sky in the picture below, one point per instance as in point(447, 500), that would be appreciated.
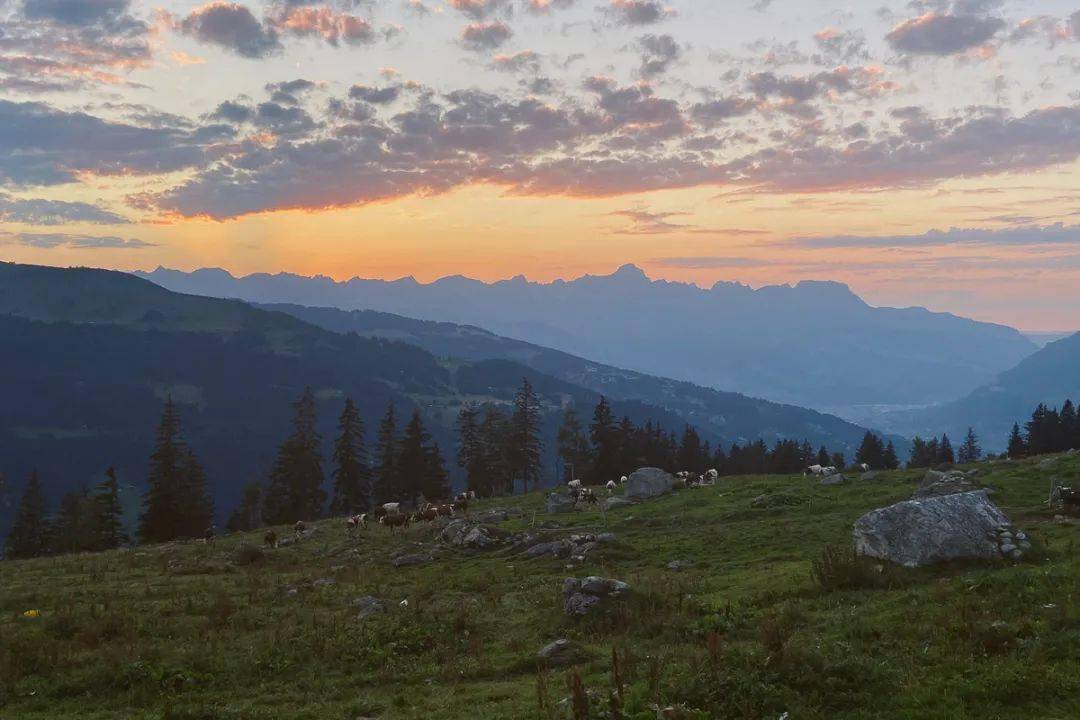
point(925, 152)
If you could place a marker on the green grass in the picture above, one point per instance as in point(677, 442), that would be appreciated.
point(196, 631)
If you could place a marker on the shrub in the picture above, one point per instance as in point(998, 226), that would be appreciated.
point(843, 570)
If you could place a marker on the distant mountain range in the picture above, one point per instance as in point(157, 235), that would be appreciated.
point(816, 344)
point(89, 356)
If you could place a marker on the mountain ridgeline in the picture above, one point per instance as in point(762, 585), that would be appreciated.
point(91, 355)
point(815, 344)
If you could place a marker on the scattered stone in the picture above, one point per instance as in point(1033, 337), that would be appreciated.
point(559, 502)
point(463, 533)
point(323, 582)
point(606, 538)
point(581, 596)
point(836, 479)
point(678, 565)
point(921, 532)
point(616, 502)
point(411, 560)
point(561, 653)
point(556, 548)
point(647, 483)
point(367, 606)
point(759, 501)
point(869, 475)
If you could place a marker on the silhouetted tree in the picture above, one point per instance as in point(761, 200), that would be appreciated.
point(176, 503)
point(572, 446)
point(871, 451)
point(889, 459)
point(605, 441)
point(29, 533)
point(525, 446)
point(352, 476)
point(109, 514)
point(970, 451)
point(387, 482)
point(413, 463)
point(945, 451)
point(247, 515)
point(1018, 447)
point(296, 481)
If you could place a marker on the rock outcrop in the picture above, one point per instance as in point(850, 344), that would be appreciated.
point(913, 533)
point(647, 483)
point(582, 595)
point(936, 483)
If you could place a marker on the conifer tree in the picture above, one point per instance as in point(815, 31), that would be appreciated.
point(690, 457)
point(970, 451)
point(470, 454)
point(437, 481)
point(72, 528)
point(838, 461)
point(30, 533)
point(889, 459)
point(246, 516)
point(1017, 445)
point(871, 451)
point(413, 462)
point(352, 477)
point(196, 505)
point(160, 519)
point(945, 451)
point(109, 514)
point(572, 446)
point(386, 483)
point(602, 433)
point(525, 444)
point(494, 430)
point(295, 491)
point(823, 456)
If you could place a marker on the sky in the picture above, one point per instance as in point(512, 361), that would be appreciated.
point(926, 152)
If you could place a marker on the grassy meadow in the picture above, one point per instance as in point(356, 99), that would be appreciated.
point(743, 630)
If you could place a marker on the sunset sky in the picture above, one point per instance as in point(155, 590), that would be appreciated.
point(925, 152)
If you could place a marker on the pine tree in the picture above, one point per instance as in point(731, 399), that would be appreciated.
point(295, 491)
point(72, 528)
point(160, 519)
point(413, 462)
point(871, 451)
point(386, 485)
point(823, 456)
point(494, 431)
point(572, 446)
point(197, 508)
point(970, 451)
point(525, 444)
point(691, 458)
point(889, 459)
point(945, 451)
point(838, 461)
point(437, 481)
point(605, 465)
point(109, 514)
point(1070, 426)
point(352, 477)
point(246, 516)
point(30, 533)
point(1017, 445)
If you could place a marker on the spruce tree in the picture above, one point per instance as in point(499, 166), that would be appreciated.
point(838, 461)
point(109, 514)
point(889, 459)
point(572, 446)
point(197, 507)
point(386, 484)
point(525, 444)
point(470, 454)
point(945, 451)
point(413, 462)
point(161, 515)
point(247, 516)
point(495, 447)
point(871, 451)
point(823, 456)
point(602, 433)
point(72, 528)
point(1018, 447)
point(437, 480)
point(352, 477)
point(296, 481)
point(970, 451)
point(30, 533)
point(691, 457)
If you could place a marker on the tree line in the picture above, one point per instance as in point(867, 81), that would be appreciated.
point(1049, 430)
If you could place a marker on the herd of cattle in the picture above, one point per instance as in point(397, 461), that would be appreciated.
point(394, 515)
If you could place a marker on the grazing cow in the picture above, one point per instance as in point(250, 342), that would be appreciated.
point(395, 520)
point(1068, 497)
point(445, 509)
point(712, 476)
point(299, 529)
point(427, 513)
point(828, 471)
point(865, 467)
point(611, 487)
point(623, 479)
point(270, 539)
point(586, 496)
point(816, 470)
point(354, 523)
point(574, 484)
point(461, 502)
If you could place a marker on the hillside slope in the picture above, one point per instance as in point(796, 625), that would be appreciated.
point(815, 344)
point(731, 416)
point(329, 628)
point(1049, 376)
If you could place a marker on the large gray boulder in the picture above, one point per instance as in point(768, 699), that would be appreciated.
point(561, 653)
point(937, 483)
point(647, 483)
point(582, 595)
point(921, 532)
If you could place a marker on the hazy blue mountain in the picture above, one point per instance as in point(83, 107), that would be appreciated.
point(730, 416)
point(88, 357)
point(1049, 376)
point(815, 344)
